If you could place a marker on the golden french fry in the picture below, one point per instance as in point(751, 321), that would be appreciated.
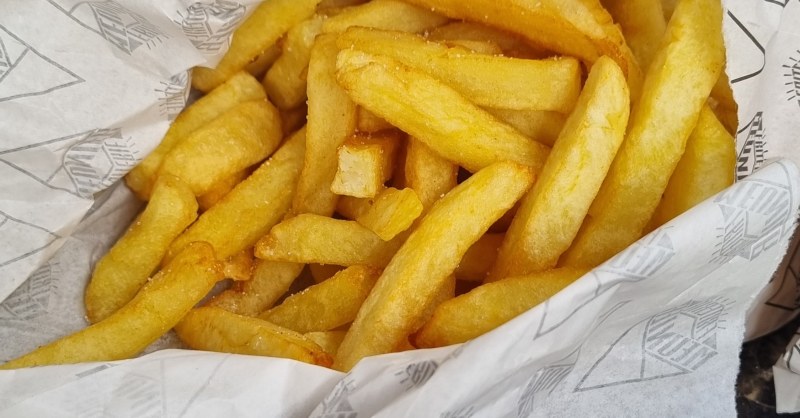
point(428, 174)
point(331, 120)
point(393, 212)
point(353, 207)
point(329, 341)
point(338, 4)
point(270, 280)
point(706, 168)
point(309, 238)
point(486, 80)
point(240, 88)
point(214, 329)
point(385, 14)
point(445, 292)
point(252, 207)
point(480, 47)
point(120, 274)
point(539, 125)
point(552, 213)
point(368, 122)
point(488, 306)
point(424, 107)
point(669, 7)
point(428, 257)
point(292, 120)
point(285, 81)
point(239, 138)
point(322, 272)
point(660, 125)
point(479, 258)
point(327, 305)
point(239, 267)
point(258, 33)
point(365, 163)
point(260, 65)
point(161, 303)
point(643, 25)
point(512, 44)
point(220, 189)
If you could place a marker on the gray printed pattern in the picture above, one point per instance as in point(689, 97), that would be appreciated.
point(209, 25)
point(544, 382)
point(792, 77)
point(337, 404)
point(32, 299)
point(172, 95)
point(752, 154)
point(15, 230)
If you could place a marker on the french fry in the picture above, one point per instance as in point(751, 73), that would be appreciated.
point(393, 212)
point(329, 341)
point(309, 238)
point(368, 122)
point(491, 81)
point(706, 168)
point(488, 306)
point(424, 107)
point(285, 82)
point(428, 174)
point(214, 329)
point(669, 7)
point(252, 207)
point(445, 292)
point(322, 272)
point(240, 88)
point(660, 125)
point(365, 163)
point(239, 267)
point(260, 65)
point(294, 119)
point(120, 274)
point(258, 33)
point(428, 257)
point(220, 189)
point(479, 258)
point(239, 138)
point(385, 14)
point(726, 108)
point(643, 25)
point(552, 213)
point(539, 125)
point(327, 305)
point(353, 207)
point(338, 4)
point(480, 47)
point(270, 280)
point(512, 44)
point(331, 120)
point(161, 303)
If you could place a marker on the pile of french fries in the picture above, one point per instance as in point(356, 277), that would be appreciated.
point(409, 174)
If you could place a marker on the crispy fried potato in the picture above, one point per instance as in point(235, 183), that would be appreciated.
point(309, 238)
point(479, 258)
point(220, 189)
point(353, 207)
point(120, 274)
point(552, 213)
point(161, 303)
point(393, 212)
point(368, 122)
point(252, 207)
point(428, 258)
point(327, 305)
point(270, 280)
point(214, 329)
point(480, 47)
point(385, 14)
point(511, 44)
point(329, 341)
point(239, 267)
point(258, 33)
point(240, 88)
point(706, 168)
point(660, 125)
point(294, 119)
point(331, 120)
point(492, 81)
point(285, 81)
point(260, 65)
point(445, 292)
point(643, 25)
point(322, 272)
point(539, 125)
point(488, 306)
point(239, 138)
point(424, 107)
point(365, 163)
point(428, 174)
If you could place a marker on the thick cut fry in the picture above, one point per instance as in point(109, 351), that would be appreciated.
point(220, 189)
point(365, 163)
point(338, 4)
point(239, 267)
point(512, 45)
point(385, 14)
point(130, 262)
point(660, 125)
point(539, 125)
point(241, 88)
point(552, 213)
point(329, 341)
point(480, 47)
point(260, 65)
point(706, 168)
point(434, 113)
point(258, 33)
point(368, 122)
point(292, 120)
point(214, 329)
point(392, 213)
point(479, 258)
point(428, 174)
point(270, 281)
point(241, 137)
point(309, 238)
point(328, 305)
point(642, 22)
point(493, 81)
point(445, 292)
point(285, 81)
point(353, 207)
point(322, 272)
point(488, 306)
point(160, 304)
point(429, 256)
point(331, 120)
point(252, 207)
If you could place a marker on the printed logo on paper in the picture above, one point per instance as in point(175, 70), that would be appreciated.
point(172, 95)
point(15, 231)
point(123, 28)
point(752, 154)
point(465, 412)
point(336, 404)
point(675, 342)
point(792, 77)
point(32, 298)
point(756, 216)
point(25, 72)
point(209, 25)
point(543, 382)
point(417, 374)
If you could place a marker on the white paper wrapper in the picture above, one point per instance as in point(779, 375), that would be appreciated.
point(647, 331)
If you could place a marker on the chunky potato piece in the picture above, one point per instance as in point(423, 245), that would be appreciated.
point(512, 44)
point(393, 212)
point(120, 274)
point(285, 81)
point(479, 258)
point(353, 207)
point(539, 125)
point(239, 267)
point(368, 122)
point(322, 272)
point(428, 174)
point(269, 281)
point(220, 189)
point(365, 163)
point(329, 341)
point(642, 22)
point(260, 65)
point(385, 14)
